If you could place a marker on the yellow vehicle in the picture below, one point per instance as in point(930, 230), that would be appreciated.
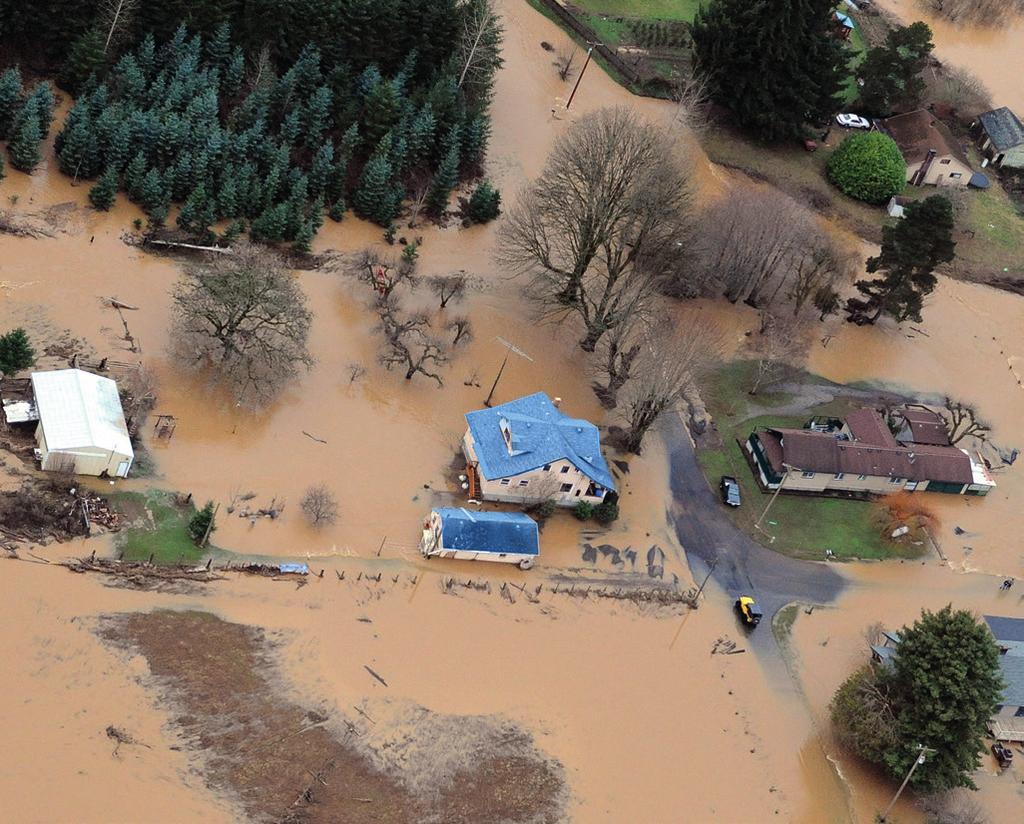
point(749, 611)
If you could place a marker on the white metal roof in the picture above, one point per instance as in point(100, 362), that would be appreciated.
point(80, 410)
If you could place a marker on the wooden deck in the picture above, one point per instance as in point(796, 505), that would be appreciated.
point(1007, 729)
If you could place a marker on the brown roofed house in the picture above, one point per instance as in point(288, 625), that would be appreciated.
point(933, 155)
point(862, 456)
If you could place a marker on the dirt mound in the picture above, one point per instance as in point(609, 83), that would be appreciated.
point(284, 763)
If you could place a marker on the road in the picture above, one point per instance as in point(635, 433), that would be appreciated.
point(744, 566)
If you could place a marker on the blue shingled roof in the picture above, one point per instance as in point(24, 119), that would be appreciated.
point(541, 434)
point(513, 532)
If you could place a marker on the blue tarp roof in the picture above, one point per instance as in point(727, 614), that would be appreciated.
point(845, 20)
point(541, 434)
point(513, 532)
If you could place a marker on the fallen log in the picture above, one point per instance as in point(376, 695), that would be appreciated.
point(140, 569)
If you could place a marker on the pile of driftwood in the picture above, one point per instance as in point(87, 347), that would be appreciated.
point(99, 511)
point(269, 570)
point(142, 571)
point(638, 595)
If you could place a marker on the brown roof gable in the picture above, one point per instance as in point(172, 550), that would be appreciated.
point(926, 427)
point(916, 133)
point(867, 426)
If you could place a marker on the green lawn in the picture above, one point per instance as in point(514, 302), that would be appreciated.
point(650, 9)
point(164, 535)
point(859, 47)
point(796, 526)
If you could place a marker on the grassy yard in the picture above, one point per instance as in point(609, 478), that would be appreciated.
point(159, 528)
point(796, 526)
point(650, 9)
point(859, 47)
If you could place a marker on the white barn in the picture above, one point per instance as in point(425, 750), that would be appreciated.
point(81, 424)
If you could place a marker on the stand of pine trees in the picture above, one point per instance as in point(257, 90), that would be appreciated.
point(201, 122)
point(24, 119)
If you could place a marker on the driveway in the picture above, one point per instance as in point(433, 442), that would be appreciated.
point(744, 566)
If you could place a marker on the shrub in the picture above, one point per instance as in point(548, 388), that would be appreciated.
point(200, 522)
point(583, 510)
point(606, 512)
point(484, 203)
point(868, 166)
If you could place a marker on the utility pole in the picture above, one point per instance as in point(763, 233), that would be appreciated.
point(923, 751)
point(775, 494)
point(580, 77)
point(711, 568)
point(509, 347)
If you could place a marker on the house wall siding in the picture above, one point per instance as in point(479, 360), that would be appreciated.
point(939, 173)
point(88, 461)
point(540, 485)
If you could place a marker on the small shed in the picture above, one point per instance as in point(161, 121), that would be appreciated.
point(504, 537)
point(81, 424)
point(1000, 135)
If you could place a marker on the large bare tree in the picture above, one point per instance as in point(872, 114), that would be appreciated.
point(778, 349)
point(244, 317)
point(605, 222)
point(382, 273)
point(409, 343)
point(670, 363)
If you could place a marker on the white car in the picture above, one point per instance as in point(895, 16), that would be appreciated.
point(853, 121)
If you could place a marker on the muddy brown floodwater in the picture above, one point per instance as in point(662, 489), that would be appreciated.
point(993, 53)
point(646, 725)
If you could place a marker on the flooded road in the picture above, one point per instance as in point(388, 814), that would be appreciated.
point(993, 53)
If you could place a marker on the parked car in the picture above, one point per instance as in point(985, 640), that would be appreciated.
point(730, 488)
point(853, 121)
point(1004, 755)
point(749, 611)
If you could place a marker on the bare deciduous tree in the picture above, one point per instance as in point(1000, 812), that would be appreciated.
point(479, 46)
point(616, 354)
point(962, 421)
point(319, 506)
point(692, 95)
point(826, 300)
point(670, 362)
point(418, 188)
point(409, 344)
point(987, 12)
point(448, 288)
point(779, 349)
point(953, 807)
point(383, 274)
point(564, 63)
point(817, 263)
point(462, 329)
point(117, 19)
point(244, 317)
point(137, 389)
point(960, 89)
point(355, 372)
point(605, 222)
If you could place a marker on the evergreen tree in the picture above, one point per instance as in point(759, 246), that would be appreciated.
point(421, 135)
point(201, 523)
point(304, 238)
point(77, 152)
point(321, 168)
point(445, 178)
point(24, 143)
point(234, 73)
point(316, 115)
point(85, 60)
point(270, 226)
point(484, 204)
point(337, 210)
point(43, 96)
point(227, 200)
point(381, 111)
point(373, 195)
point(777, 66)
point(152, 193)
point(16, 352)
point(218, 47)
point(134, 175)
point(10, 100)
point(891, 73)
point(104, 193)
point(291, 126)
point(474, 142)
point(194, 210)
point(911, 249)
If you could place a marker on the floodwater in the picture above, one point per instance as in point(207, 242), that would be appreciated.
point(647, 728)
point(993, 53)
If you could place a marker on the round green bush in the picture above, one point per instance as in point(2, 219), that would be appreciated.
point(868, 166)
point(583, 510)
point(606, 512)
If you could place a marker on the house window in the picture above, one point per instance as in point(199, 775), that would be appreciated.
point(807, 474)
point(944, 162)
point(524, 483)
point(1019, 713)
point(838, 476)
point(955, 176)
point(862, 477)
point(895, 480)
point(505, 481)
point(566, 487)
point(547, 467)
point(578, 492)
point(564, 469)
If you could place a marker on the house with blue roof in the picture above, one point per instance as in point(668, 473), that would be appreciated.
point(504, 537)
point(528, 451)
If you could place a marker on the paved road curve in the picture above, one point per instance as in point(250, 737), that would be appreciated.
point(744, 566)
